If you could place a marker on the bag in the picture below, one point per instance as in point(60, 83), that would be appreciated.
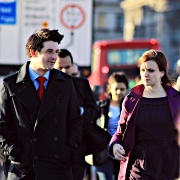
point(95, 138)
point(97, 143)
point(100, 157)
point(97, 158)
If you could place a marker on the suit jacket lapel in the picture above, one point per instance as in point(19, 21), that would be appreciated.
point(28, 95)
point(25, 90)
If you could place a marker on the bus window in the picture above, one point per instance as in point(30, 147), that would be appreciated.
point(117, 57)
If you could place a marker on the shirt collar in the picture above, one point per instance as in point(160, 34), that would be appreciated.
point(33, 75)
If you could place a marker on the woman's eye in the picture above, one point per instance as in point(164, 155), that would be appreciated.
point(151, 70)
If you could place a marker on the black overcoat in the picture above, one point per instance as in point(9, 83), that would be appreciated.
point(45, 134)
point(91, 111)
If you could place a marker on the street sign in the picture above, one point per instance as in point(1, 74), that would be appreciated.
point(35, 14)
point(8, 12)
point(72, 16)
point(73, 19)
point(75, 23)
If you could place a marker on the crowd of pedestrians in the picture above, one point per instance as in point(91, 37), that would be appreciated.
point(46, 108)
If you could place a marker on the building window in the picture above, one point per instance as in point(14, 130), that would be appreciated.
point(120, 22)
point(101, 21)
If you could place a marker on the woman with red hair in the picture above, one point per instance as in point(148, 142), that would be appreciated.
point(148, 135)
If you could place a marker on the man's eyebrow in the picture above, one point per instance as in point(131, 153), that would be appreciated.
point(50, 49)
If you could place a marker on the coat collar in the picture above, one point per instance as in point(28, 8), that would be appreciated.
point(23, 74)
point(172, 95)
point(28, 95)
point(138, 90)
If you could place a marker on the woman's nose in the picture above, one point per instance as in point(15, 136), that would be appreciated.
point(146, 73)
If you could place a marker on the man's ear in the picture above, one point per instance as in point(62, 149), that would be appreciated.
point(32, 52)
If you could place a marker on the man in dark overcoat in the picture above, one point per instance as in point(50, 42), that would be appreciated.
point(89, 110)
point(40, 134)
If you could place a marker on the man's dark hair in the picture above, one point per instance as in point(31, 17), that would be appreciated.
point(36, 40)
point(63, 53)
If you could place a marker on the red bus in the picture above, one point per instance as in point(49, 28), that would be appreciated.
point(109, 56)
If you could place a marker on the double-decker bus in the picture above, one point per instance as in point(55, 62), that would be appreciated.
point(110, 56)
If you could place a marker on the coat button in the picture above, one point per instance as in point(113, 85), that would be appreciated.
point(34, 139)
point(57, 101)
point(56, 156)
point(76, 145)
point(55, 138)
point(35, 158)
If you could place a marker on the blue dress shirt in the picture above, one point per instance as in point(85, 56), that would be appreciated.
point(33, 75)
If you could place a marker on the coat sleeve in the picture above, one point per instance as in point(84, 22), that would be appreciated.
point(91, 110)
point(8, 143)
point(117, 138)
point(74, 121)
point(177, 124)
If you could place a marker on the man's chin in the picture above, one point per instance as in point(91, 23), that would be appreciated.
point(50, 67)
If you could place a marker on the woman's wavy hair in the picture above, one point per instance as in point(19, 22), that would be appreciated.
point(160, 59)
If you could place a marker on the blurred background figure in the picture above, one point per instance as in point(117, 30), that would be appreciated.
point(110, 112)
point(75, 70)
point(97, 91)
point(87, 102)
point(138, 80)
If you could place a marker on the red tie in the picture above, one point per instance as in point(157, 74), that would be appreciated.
point(41, 88)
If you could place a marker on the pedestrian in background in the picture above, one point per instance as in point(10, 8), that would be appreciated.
point(147, 138)
point(117, 88)
point(40, 123)
point(75, 70)
point(89, 109)
point(138, 80)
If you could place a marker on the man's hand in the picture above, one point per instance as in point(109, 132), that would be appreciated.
point(119, 152)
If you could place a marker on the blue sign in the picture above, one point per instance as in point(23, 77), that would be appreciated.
point(8, 13)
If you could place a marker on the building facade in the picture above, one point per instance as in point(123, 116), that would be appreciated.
point(129, 19)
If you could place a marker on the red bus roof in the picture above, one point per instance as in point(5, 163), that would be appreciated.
point(126, 44)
